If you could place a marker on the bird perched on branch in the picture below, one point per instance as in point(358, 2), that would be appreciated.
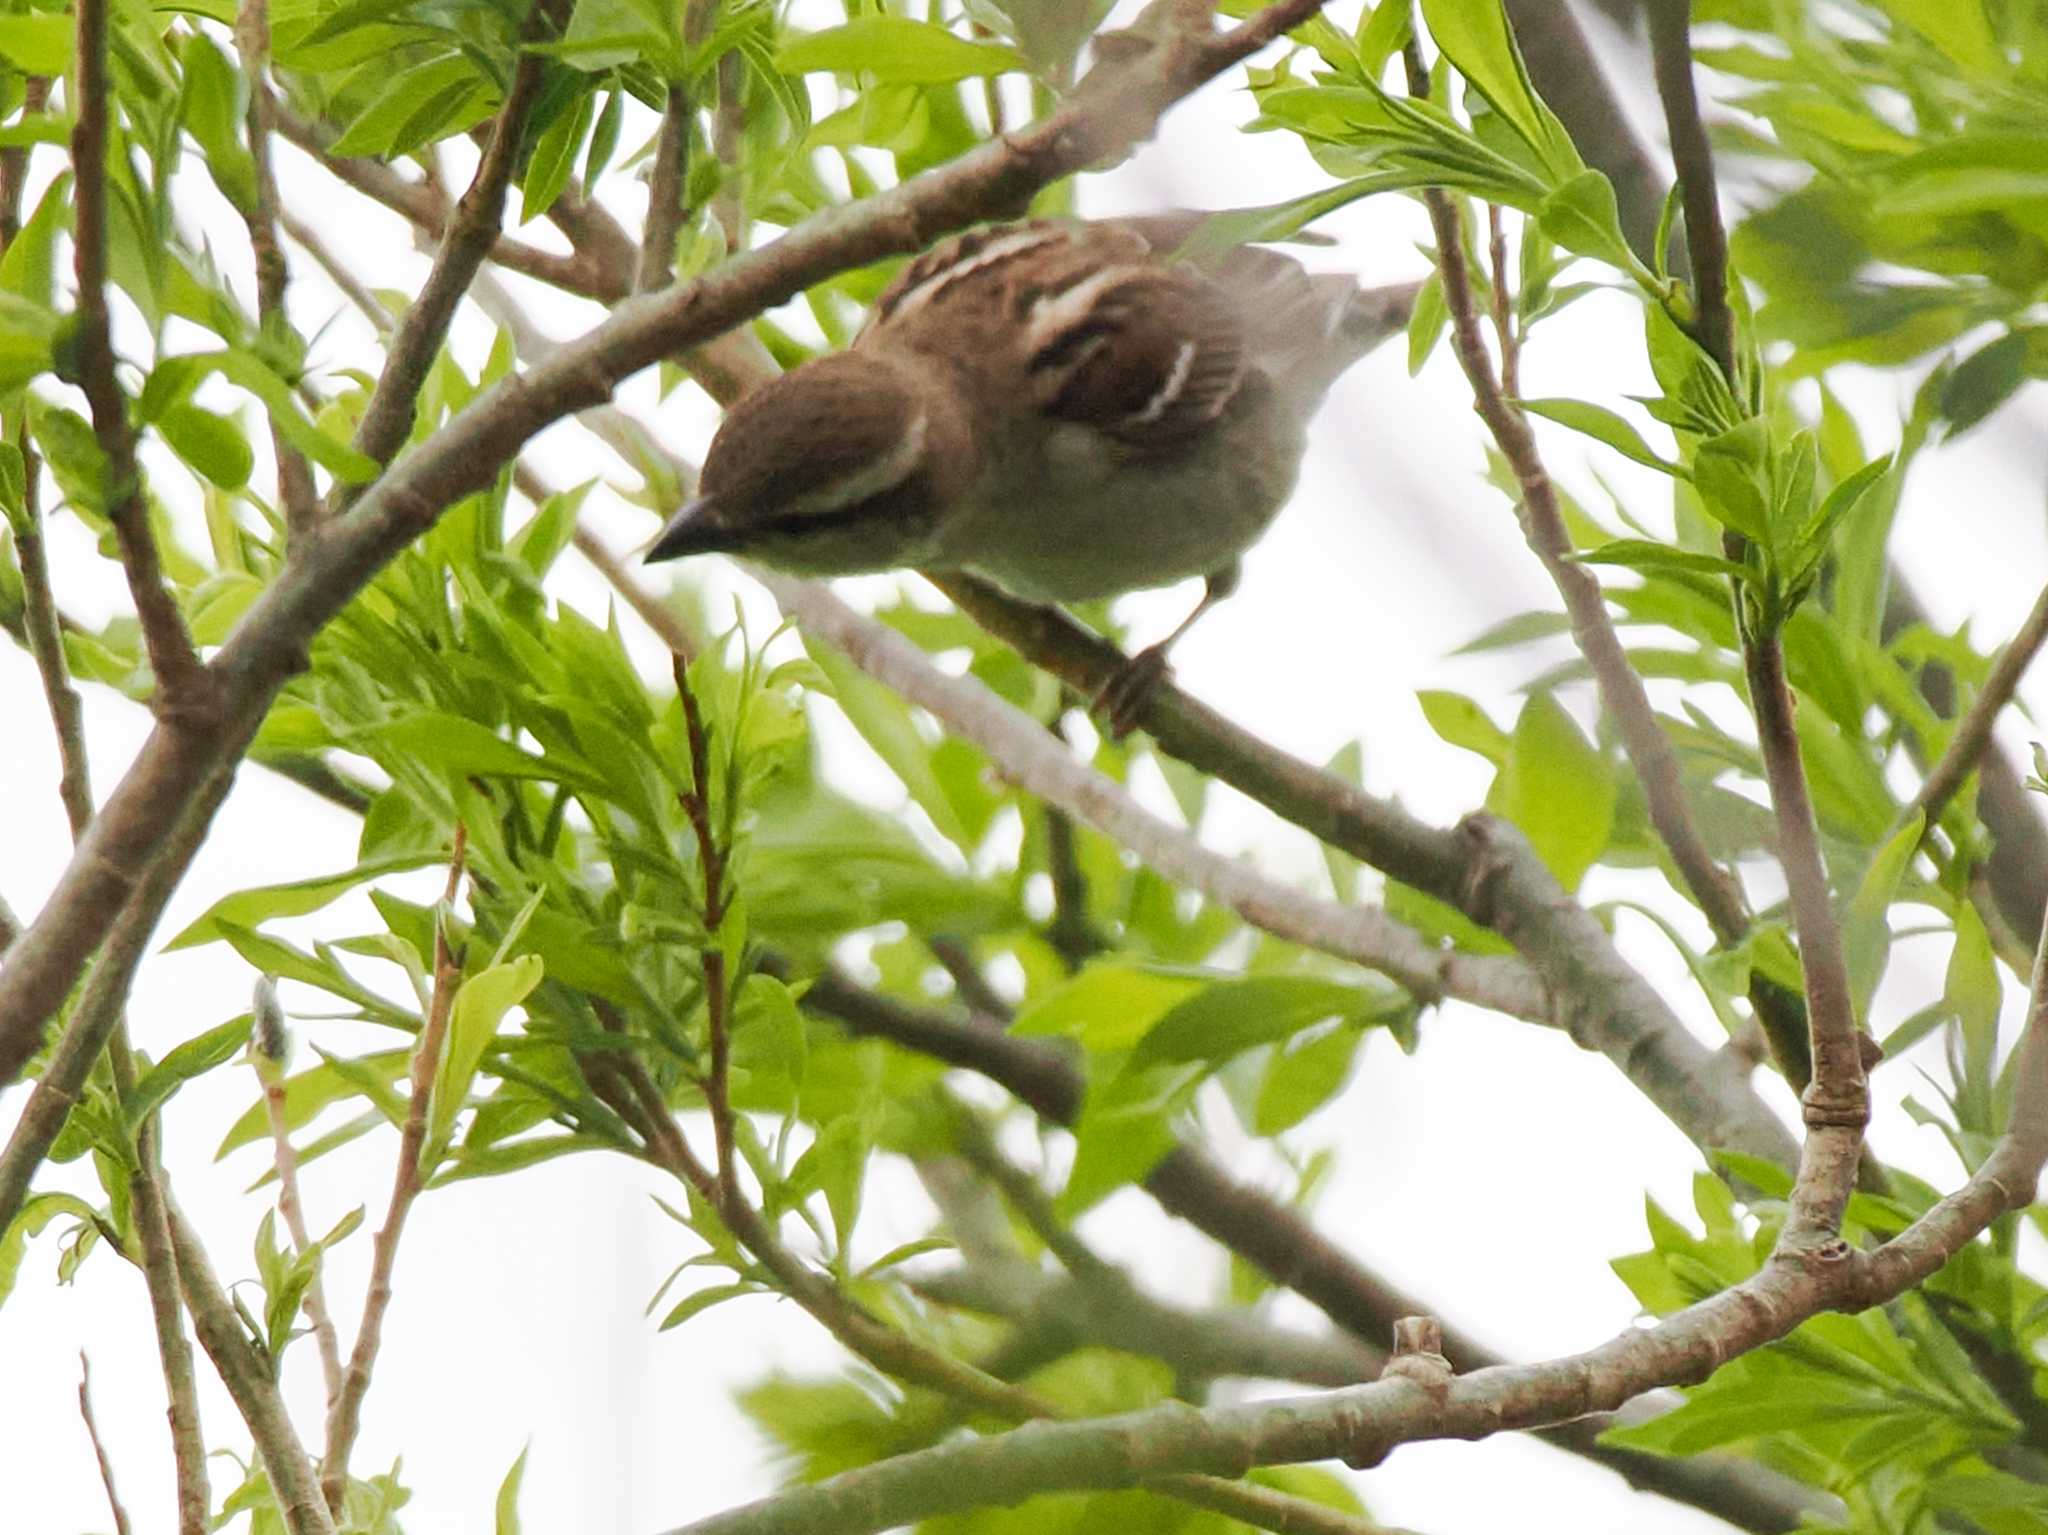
point(1061, 406)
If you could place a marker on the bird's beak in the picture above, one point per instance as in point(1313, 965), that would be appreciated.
point(698, 528)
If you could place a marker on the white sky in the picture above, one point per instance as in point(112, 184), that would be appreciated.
point(1494, 1173)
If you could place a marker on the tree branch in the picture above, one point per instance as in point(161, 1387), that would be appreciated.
point(1038, 762)
point(345, 1408)
point(98, 1011)
point(148, 1198)
point(1706, 241)
point(665, 195)
point(185, 692)
point(268, 1058)
point(1482, 866)
point(46, 645)
point(249, 1376)
point(1973, 733)
point(99, 1450)
point(269, 645)
point(295, 486)
point(1278, 1241)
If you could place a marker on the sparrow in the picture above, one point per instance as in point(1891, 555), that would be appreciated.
point(1061, 406)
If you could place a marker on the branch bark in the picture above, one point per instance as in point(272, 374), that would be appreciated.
point(269, 645)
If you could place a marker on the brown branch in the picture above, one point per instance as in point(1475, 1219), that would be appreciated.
point(295, 488)
point(1365, 1424)
point(148, 1198)
point(1040, 763)
point(1706, 241)
point(473, 227)
point(665, 195)
point(14, 162)
point(268, 1058)
point(1482, 866)
point(97, 1013)
point(1973, 732)
point(345, 1409)
point(269, 646)
point(1649, 749)
point(185, 692)
point(1837, 1100)
point(1503, 305)
point(249, 1375)
point(99, 1450)
point(46, 645)
point(711, 863)
point(872, 1339)
point(1278, 1241)
point(423, 205)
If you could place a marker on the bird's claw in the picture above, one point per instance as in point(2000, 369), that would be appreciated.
point(1125, 697)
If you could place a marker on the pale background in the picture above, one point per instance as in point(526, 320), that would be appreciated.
point(1494, 1173)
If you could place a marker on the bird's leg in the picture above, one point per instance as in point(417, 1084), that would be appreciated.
point(1123, 698)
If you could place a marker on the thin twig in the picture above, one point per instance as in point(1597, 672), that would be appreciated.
point(1973, 731)
point(1692, 154)
point(14, 162)
point(250, 1376)
point(388, 417)
point(46, 645)
point(711, 863)
point(185, 692)
point(1503, 306)
point(99, 1450)
point(252, 39)
point(372, 308)
point(1649, 749)
point(345, 1410)
point(149, 1199)
point(665, 195)
point(268, 1058)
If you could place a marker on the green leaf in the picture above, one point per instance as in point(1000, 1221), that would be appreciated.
point(1108, 1007)
point(1427, 322)
point(1582, 217)
point(29, 269)
point(703, 1300)
point(253, 907)
point(1866, 925)
point(1462, 722)
point(1232, 1016)
point(884, 722)
point(894, 50)
point(248, 371)
point(1644, 554)
point(1303, 1077)
point(37, 1211)
point(505, 1510)
point(194, 1057)
point(1732, 474)
point(1604, 425)
point(209, 442)
point(554, 157)
point(1972, 992)
point(1557, 788)
point(480, 1006)
point(1958, 28)
point(37, 45)
point(1474, 35)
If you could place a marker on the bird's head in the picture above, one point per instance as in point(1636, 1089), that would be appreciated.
point(837, 467)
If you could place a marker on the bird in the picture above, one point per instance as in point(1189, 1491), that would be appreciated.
point(1066, 407)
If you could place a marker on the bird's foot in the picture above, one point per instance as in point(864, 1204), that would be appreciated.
point(1124, 698)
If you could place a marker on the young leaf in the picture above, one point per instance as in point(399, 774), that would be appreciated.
point(1603, 425)
point(894, 50)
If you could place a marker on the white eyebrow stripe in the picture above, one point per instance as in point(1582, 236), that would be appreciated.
point(992, 254)
point(1176, 380)
point(871, 479)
